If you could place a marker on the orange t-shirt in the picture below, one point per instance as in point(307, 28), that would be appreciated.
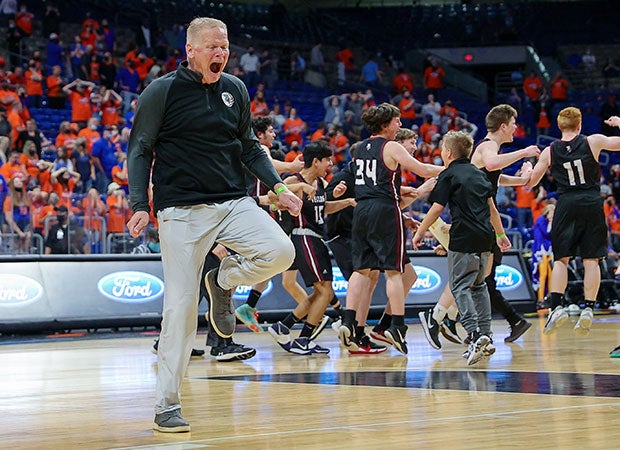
point(143, 67)
point(115, 170)
point(403, 80)
point(109, 112)
point(66, 139)
point(291, 155)
point(524, 196)
point(92, 218)
point(433, 77)
point(65, 194)
point(318, 134)
point(407, 178)
point(30, 163)
point(346, 56)
point(427, 131)
point(407, 113)
point(116, 214)
point(34, 87)
point(54, 85)
point(81, 110)
point(559, 89)
point(10, 171)
point(531, 87)
point(39, 212)
point(295, 125)
point(91, 136)
point(24, 21)
point(17, 124)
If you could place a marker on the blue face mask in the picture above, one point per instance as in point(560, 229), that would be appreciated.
point(154, 247)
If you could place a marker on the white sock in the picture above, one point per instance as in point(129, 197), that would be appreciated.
point(452, 312)
point(439, 312)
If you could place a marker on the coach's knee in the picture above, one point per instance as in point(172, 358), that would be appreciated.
point(282, 255)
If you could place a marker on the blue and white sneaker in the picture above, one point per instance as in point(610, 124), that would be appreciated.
point(281, 334)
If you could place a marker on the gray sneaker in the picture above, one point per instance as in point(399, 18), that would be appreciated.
point(170, 422)
point(221, 310)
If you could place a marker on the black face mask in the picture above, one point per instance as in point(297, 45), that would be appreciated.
point(61, 219)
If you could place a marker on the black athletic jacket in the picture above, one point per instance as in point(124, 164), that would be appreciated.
point(200, 137)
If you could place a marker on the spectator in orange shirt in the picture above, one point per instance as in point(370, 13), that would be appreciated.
point(119, 172)
point(320, 132)
point(17, 213)
point(90, 133)
point(94, 216)
point(293, 152)
point(143, 64)
point(17, 77)
point(118, 208)
point(448, 115)
point(539, 203)
point(39, 209)
point(13, 169)
point(433, 77)
point(24, 20)
point(407, 107)
point(78, 92)
point(66, 136)
point(532, 86)
point(34, 84)
point(294, 128)
point(63, 183)
point(17, 123)
point(559, 90)
point(258, 105)
point(402, 80)
point(428, 129)
point(111, 104)
point(340, 146)
point(524, 197)
point(55, 96)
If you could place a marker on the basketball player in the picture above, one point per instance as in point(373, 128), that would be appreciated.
point(579, 227)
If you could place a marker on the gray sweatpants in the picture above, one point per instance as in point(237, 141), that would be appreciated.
point(186, 235)
point(467, 274)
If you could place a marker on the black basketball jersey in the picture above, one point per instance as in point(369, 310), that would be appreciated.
point(373, 180)
point(574, 167)
point(312, 214)
point(493, 175)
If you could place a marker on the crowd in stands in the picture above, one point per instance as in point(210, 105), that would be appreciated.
point(81, 165)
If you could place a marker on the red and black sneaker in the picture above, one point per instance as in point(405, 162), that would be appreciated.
point(366, 347)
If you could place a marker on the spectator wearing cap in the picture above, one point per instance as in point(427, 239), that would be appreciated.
point(118, 208)
point(78, 92)
point(16, 209)
point(55, 52)
point(55, 96)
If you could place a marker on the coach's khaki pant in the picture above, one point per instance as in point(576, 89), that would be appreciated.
point(186, 235)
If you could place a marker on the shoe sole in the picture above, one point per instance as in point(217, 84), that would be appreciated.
point(427, 331)
point(362, 351)
point(556, 325)
point(582, 328)
point(397, 345)
point(180, 429)
point(236, 356)
point(527, 326)
point(255, 327)
point(344, 334)
point(379, 338)
point(212, 308)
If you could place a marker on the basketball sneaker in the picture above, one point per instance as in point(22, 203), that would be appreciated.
point(325, 320)
point(517, 330)
point(396, 335)
point(448, 329)
point(615, 353)
point(304, 346)
point(196, 352)
point(556, 318)
point(170, 422)
point(221, 311)
point(232, 351)
point(346, 334)
point(248, 315)
point(430, 327)
point(582, 328)
point(367, 347)
point(477, 349)
point(379, 335)
point(281, 334)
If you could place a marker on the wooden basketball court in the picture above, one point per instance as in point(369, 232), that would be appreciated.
point(558, 391)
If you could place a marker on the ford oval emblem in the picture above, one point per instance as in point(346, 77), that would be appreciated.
point(339, 284)
point(131, 287)
point(428, 280)
point(242, 292)
point(507, 278)
point(18, 290)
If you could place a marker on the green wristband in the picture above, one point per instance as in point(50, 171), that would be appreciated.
point(503, 235)
point(281, 189)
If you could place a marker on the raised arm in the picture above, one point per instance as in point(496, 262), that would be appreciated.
point(487, 156)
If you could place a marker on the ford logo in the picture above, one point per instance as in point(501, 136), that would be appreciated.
point(18, 290)
point(131, 287)
point(428, 280)
point(242, 292)
point(507, 278)
point(339, 284)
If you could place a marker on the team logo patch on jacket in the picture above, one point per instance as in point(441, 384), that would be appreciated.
point(228, 99)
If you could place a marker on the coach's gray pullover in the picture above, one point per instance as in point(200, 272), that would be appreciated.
point(200, 136)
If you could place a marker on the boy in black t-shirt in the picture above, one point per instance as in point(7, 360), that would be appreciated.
point(469, 194)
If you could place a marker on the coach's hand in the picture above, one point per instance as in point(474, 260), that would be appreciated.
point(137, 223)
